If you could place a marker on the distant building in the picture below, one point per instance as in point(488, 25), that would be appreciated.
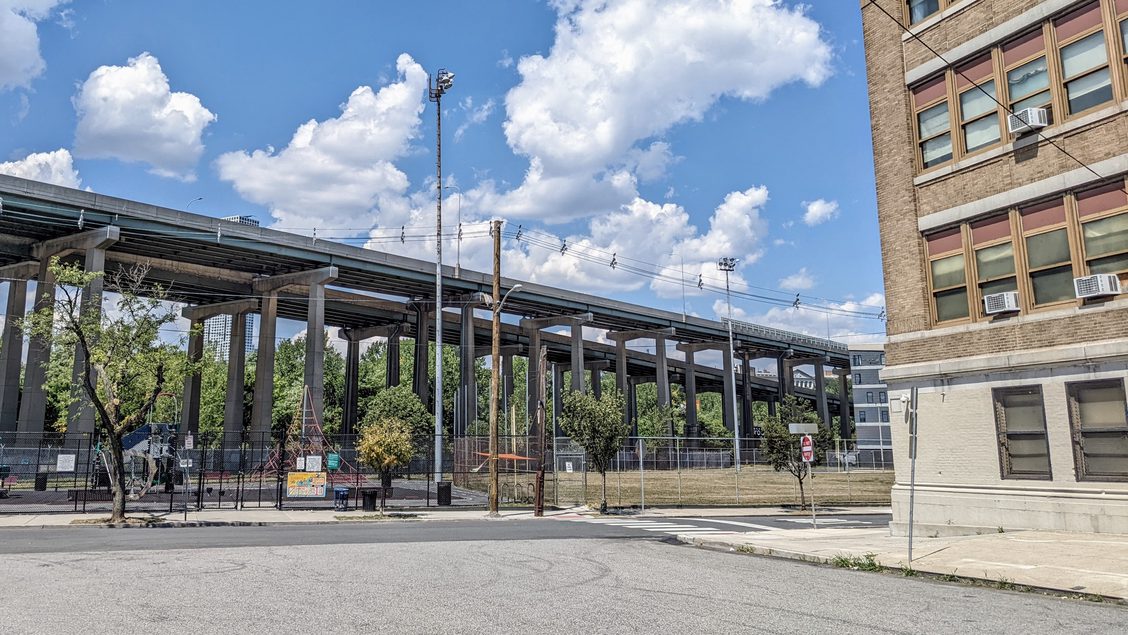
point(871, 403)
point(217, 330)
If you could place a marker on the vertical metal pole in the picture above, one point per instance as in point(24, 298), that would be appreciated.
point(641, 473)
point(732, 378)
point(811, 477)
point(438, 466)
point(912, 463)
point(495, 362)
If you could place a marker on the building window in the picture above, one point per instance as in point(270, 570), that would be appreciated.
point(921, 9)
point(1020, 419)
point(857, 378)
point(881, 398)
point(1028, 78)
point(869, 396)
point(1084, 58)
point(861, 416)
point(933, 122)
point(1048, 261)
point(948, 279)
point(1105, 239)
point(994, 260)
point(885, 416)
point(979, 112)
point(1100, 429)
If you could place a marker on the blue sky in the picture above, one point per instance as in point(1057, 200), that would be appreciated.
point(664, 132)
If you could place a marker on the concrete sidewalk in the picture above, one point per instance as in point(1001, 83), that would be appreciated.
point(260, 517)
point(1061, 561)
point(717, 512)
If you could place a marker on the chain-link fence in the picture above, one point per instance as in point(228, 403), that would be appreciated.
point(703, 471)
point(165, 472)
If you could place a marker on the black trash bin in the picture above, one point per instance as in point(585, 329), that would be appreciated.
point(444, 493)
point(370, 499)
point(41, 482)
point(341, 499)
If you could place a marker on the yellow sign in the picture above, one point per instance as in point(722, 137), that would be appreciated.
point(305, 484)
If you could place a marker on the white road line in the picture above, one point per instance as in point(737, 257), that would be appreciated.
point(670, 529)
point(731, 522)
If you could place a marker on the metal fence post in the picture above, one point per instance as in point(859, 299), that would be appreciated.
point(642, 473)
point(677, 451)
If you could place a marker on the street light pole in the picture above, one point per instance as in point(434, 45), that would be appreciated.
point(728, 265)
point(444, 80)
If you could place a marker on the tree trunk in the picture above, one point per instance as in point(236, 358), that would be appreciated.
point(603, 503)
point(116, 470)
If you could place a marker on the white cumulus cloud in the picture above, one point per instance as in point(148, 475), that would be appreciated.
point(20, 61)
point(475, 115)
point(339, 173)
point(819, 211)
point(622, 72)
point(130, 113)
point(798, 281)
point(50, 167)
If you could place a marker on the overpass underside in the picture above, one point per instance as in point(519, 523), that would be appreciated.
point(216, 267)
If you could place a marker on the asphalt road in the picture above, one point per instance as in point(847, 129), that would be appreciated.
point(475, 576)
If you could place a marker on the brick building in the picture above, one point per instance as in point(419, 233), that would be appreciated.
point(1021, 408)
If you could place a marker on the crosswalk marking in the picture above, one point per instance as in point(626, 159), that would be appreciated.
point(731, 522)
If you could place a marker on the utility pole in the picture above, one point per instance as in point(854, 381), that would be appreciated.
point(444, 80)
point(728, 265)
point(495, 363)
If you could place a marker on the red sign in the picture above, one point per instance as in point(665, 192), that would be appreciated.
point(808, 448)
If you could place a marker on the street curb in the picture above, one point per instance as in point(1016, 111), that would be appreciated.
point(755, 550)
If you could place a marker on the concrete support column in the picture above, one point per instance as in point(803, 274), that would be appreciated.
point(622, 378)
point(392, 362)
point(532, 382)
point(844, 399)
point(782, 371)
point(746, 422)
point(577, 356)
point(692, 425)
point(729, 389)
point(33, 405)
point(661, 371)
point(262, 407)
point(236, 372)
point(506, 385)
point(11, 354)
point(820, 395)
point(352, 385)
point(190, 408)
point(632, 407)
point(80, 417)
point(467, 378)
point(597, 383)
point(419, 376)
point(558, 395)
point(772, 406)
point(315, 351)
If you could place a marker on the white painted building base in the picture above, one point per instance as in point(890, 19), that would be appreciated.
point(960, 489)
point(956, 511)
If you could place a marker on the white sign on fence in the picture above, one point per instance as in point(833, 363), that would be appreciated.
point(65, 463)
point(313, 463)
point(803, 428)
point(189, 442)
point(185, 463)
point(299, 464)
point(568, 467)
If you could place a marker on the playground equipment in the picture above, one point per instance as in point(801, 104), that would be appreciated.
point(149, 453)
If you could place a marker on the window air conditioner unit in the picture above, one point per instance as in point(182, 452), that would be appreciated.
point(996, 303)
point(1096, 286)
point(1027, 120)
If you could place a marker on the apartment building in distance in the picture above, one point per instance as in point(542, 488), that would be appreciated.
point(1000, 130)
point(871, 404)
point(217, 330)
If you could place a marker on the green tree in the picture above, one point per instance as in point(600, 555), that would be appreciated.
point(783, 448)
point(385, 445)
point(398, 402)
point(598, 426)
point(124, 362)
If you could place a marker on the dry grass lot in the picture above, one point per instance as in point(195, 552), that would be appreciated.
point(754, 486)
